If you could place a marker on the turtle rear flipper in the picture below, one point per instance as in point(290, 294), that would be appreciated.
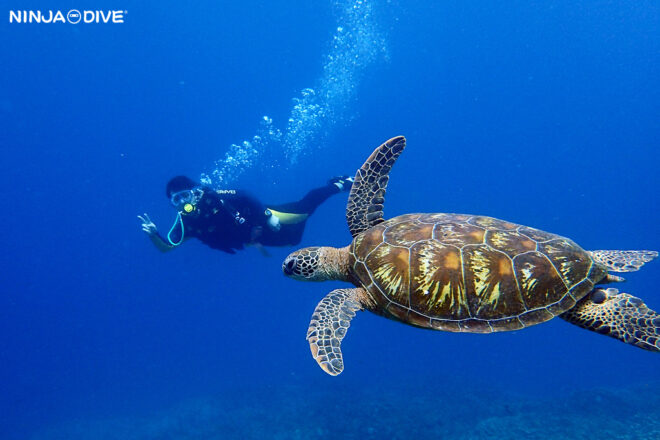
point(619, 315)
point(623, 261)
point(365, 202)
point(328, 326)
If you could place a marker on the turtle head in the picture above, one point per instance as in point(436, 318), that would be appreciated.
point(317, 264)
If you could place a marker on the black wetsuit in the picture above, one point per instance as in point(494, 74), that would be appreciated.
point(229, 219)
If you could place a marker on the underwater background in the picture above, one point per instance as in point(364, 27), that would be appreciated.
point(540, 113)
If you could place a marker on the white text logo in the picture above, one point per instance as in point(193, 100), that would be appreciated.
point(74, 16)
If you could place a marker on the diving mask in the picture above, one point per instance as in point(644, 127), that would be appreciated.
point(187, 199)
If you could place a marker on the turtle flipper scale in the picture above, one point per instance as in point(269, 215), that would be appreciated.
point(328, 326)
point(365, 203)
point(623, 261)
point(618, 315)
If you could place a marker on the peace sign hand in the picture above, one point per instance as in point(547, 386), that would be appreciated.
point(147, 225)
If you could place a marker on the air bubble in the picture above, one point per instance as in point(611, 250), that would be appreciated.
point(356, 44)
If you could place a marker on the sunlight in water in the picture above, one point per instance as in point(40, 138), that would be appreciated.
point(355, 45)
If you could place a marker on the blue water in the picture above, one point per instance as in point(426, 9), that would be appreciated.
point(541, 113)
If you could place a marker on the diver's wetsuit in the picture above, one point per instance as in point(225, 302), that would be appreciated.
point(230, 219)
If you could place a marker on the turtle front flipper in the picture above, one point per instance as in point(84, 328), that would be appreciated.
point(328, 326)
point(623, 261)
point(365, 203)
point(619, 315)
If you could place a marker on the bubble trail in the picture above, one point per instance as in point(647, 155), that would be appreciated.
point(355, 45)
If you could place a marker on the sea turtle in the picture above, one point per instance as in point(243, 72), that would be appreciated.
point(462, 273)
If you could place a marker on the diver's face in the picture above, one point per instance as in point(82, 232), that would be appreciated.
point(180, 199)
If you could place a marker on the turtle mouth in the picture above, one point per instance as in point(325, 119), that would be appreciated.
point(289, 265)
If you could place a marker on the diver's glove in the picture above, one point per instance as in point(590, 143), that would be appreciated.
point(147, 225)
point(344, 183)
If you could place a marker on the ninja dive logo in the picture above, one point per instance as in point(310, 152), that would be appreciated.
point(73, 16)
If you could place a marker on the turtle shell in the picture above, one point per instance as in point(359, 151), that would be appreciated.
point(466, 273)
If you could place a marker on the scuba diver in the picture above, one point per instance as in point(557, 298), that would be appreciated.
point(229, 219)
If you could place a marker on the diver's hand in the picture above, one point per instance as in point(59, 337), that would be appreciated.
point(147, 225)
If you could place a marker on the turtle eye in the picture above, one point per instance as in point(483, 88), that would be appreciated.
point(289, 266)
